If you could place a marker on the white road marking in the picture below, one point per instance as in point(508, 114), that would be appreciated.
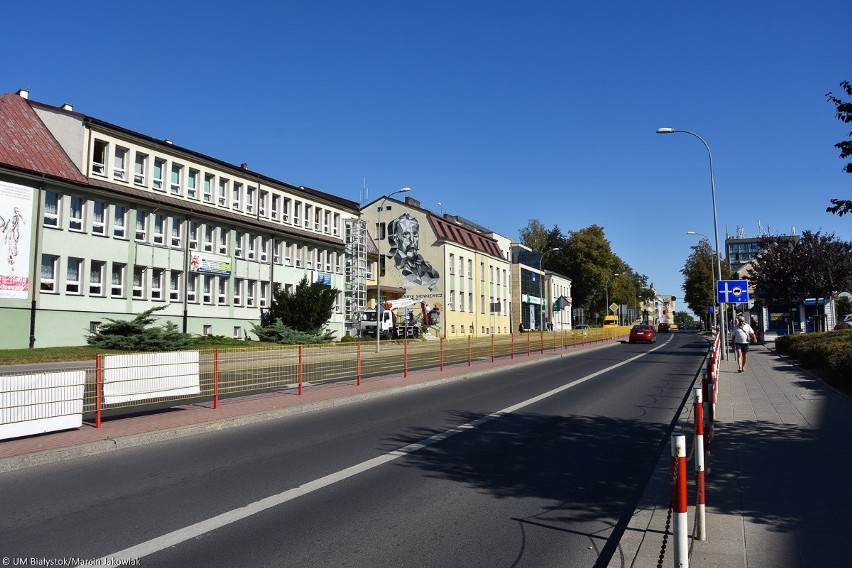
point(193, 531)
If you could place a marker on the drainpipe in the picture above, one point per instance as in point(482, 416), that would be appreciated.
point(33, 282)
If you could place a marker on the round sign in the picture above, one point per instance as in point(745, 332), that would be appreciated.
point(737, 291)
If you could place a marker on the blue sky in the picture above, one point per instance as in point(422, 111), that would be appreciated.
point(501, 111)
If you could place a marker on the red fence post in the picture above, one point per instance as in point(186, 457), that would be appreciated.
point(99, 387)
point(680, 530)
point(301, 370)
point(358, 365)
point(699, 466)
point(216, 378)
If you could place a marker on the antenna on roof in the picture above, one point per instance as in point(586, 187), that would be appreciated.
point(365, 193)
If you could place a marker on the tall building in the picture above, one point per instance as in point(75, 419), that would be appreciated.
point(103, 222)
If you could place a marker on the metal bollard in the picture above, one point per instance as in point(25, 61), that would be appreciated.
point(699, 467)
point(680, 527)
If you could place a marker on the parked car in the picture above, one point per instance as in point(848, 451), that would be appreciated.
point(845, 323)
point(663, 328)
point(642, 332)
point(581, 329)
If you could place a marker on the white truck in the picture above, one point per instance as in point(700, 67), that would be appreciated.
point(397, 321)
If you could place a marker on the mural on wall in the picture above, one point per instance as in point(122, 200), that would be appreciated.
point(404, 238)
point(14, 240)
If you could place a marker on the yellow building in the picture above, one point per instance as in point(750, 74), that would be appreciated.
point(457, 272)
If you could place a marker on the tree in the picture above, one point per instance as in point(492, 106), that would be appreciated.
point(138, 334)
point(307, 309)
point(699, 273)
point(814, 266)
point(844, 114)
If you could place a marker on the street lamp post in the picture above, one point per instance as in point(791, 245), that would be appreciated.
point(379, 309)
point(713, 270)
point(715, 227)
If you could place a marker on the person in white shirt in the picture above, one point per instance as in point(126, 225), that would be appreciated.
point(743, 335)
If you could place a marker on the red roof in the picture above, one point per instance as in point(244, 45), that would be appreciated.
point(27, 144)
point(451, 232)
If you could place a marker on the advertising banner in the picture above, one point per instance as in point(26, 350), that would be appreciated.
point(16, 203)
point(208, 263)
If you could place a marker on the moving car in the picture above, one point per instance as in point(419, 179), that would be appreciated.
point(663, 328)
point(642, 332)
point(581, 329)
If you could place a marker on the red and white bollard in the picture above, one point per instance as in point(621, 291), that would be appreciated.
point(699, 466)
point(680, 527)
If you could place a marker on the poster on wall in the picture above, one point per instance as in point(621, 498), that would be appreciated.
point(411, 270)
point(208, 263)
point(16, 203)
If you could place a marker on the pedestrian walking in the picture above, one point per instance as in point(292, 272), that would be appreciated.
point(743, 335)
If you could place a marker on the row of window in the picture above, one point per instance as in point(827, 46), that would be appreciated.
point(101, 279)
point(494, 270)
point(180, 180)
point(164, 230)
point(465, 330)
point(497, 307)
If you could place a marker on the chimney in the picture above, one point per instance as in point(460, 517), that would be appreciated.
point(244, 166)
point(411, 201)
point(68, 106)
point(168, 141)
point(23, 93)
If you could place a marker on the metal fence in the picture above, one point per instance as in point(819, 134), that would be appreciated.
point(37, 402)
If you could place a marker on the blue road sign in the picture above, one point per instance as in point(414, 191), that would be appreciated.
point(733, 291)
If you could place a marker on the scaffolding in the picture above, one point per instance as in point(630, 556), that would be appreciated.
point(356, 273)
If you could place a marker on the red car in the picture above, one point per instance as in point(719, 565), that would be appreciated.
point(642, 332)
point(663, 328)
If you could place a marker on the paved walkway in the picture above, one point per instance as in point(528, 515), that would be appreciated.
point(778, 487)
point(778, 481)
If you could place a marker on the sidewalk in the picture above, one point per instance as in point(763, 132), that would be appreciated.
point(777, 482)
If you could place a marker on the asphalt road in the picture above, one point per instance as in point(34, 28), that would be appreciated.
point(537, 466)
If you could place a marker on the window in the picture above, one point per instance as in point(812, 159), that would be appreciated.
point(49, 265)
point(177, 232)
point(140, 169)
point(336, 230)
point(223, 240)
point(99, 157)
point(452, 263)
point(328, 261)
point(482, 271)
point(192, 288)
point(158, 280)
point(74, 276)
point(309, 212)
point(299, 256)
point(264, 249)
point(238, 291)
point(119, 222)
point(238, 332)
point(139, 282)
point(176, 184)
point(222, 296)
point(99, 218)
point(96, 278)
point(250, 286)
point(157, 179)
point(159, 228)
point(470, 301)
point(317, 219)
point(252, 247)
point(194, 230)
point(141, 226)
point(461, 301)
point(223, 192)
point(250, 191)
point(297, 213)
point(338, 263)
point(276, 206)
point(452, 300)
point(309, 261)
point(208, 238)
point(94, 327)
point(288, 254)
point(117, 285)
point(286, 212)
point(207, 289)
point(237, 196)
point(461, 266)
point(327, 222)
point(192, 184)
point(208, 188)
point(207, 330)
point(51, 209)
point(277, 247)
point(119, 164)
point(261, 204)
point(175, 278)
point(470, 268)
point(370, 271)
point(76, 220)
point(264, 294)
point(482, 303)
point(238, 244)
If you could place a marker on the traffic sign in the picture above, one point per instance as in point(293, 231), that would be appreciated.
point(613, 306)
point(733, 291)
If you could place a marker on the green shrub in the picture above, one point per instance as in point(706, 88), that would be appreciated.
point(139, 334)
point(831, 351)
point(279, 333)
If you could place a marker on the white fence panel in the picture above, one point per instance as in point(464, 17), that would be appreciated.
point(144, 376)
point(39, 403)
